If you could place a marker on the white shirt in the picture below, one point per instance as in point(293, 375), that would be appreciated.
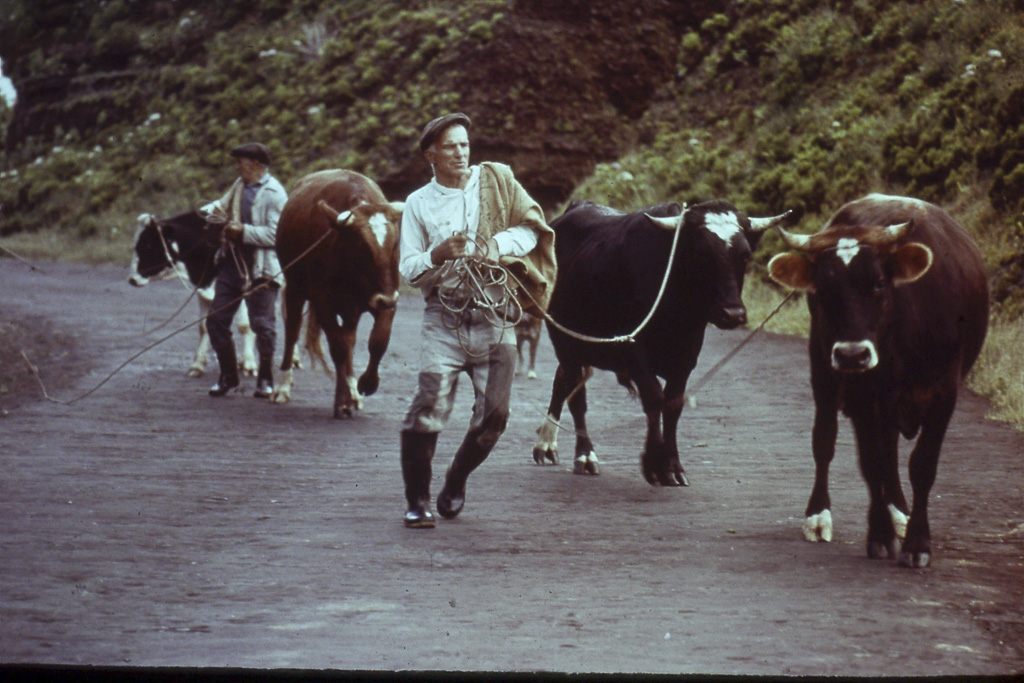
point(434, 213)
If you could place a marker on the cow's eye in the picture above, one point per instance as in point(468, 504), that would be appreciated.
point(879, 287)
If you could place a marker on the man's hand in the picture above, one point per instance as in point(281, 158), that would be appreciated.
point(452, 248)
point(488, 252)
point(233, 231)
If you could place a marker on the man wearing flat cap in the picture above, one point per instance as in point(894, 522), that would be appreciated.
point(247, 265)
point(465, 214)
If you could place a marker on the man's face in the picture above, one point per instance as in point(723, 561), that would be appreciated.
point(449, 155)
point(249, 169)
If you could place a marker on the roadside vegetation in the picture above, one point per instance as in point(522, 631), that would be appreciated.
point(777, 104)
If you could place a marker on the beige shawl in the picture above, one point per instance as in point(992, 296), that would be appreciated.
point(503, 204)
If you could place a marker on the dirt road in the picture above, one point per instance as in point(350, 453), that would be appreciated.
point(149, 525)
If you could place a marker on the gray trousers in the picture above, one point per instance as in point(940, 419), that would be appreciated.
point(485, 353)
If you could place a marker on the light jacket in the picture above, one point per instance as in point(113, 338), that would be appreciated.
point(262, 232)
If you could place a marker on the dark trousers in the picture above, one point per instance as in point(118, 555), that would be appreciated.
point(260, 300)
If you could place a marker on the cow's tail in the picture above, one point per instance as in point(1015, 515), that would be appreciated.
point(314, 344)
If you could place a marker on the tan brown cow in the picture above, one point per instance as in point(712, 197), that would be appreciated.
point(351, 234)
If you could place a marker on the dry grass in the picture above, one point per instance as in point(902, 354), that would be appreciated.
point(998, 374)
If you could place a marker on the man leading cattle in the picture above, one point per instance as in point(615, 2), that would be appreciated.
point(465, 215)
point(247, 266)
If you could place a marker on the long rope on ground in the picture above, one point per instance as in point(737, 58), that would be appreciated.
point(22, 259)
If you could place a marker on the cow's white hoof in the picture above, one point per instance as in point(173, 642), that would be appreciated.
point(586, 464)
point(280, 396)
point(899, 521)
point(195, 371)
point(818, 527)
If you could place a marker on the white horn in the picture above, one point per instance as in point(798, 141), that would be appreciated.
point(897, 232)
point(344, 217)
point(670, 223)
point(762, 224)
point(794, 240)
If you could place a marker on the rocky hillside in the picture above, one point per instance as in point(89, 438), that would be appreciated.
point(552, 87)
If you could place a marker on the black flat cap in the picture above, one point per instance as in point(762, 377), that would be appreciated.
point(253, 150)
point(433, 129)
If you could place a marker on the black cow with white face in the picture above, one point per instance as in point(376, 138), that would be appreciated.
point(611, 267)
point(898, 298)
point(186, 245)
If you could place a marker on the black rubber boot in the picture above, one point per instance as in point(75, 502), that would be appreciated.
point(417, 454)
point(264, 379)
point(228, 372)
point(453, 494)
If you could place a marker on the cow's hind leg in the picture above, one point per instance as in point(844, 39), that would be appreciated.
point(247, 367)
point(585, 461)
point(546, 447)
point(291, 309)
point(198, 366)
point(924, 463)
point(534, 342)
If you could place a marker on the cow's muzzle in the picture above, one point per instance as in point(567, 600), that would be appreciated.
point(730, 317)
point(383, 302)
point(859, 356)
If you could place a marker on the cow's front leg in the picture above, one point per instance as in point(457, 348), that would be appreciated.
point(380, 335)
point(340, 340)
point(656, 460)
point(675, 396)
point(818, 514)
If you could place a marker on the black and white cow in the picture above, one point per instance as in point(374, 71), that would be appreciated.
point(185, 246)
point(898, 298)
point(611, 267)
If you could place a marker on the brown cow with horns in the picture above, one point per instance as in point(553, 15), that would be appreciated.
point(899, 310)
point(351, 231)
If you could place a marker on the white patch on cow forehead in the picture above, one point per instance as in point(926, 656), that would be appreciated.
point(725, 226)
point(379, 225)
point(847, 248)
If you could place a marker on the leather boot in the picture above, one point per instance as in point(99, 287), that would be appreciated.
point(453, 494)
point(228, 372)
point(417, 453)
point(264, 379)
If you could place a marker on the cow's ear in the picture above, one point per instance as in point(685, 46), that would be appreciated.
point(910, 262)
point(792, 270)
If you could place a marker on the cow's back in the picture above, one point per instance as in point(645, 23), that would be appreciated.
point(303, 223)
point(942, 317)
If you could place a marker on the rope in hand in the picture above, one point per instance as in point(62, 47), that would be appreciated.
point(484, 287)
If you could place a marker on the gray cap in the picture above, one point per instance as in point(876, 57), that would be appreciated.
point(434, 129)
point(253, 150)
